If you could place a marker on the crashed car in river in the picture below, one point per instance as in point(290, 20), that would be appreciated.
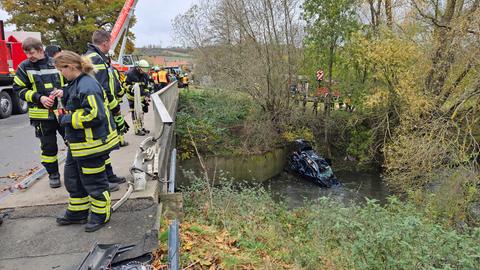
point(304, 161)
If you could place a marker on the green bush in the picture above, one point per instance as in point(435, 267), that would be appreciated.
point(329, 234)
point(212, 116)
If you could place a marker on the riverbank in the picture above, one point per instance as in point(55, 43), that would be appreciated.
point(246, 229)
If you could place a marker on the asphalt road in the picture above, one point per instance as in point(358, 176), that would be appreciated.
point(19, 148)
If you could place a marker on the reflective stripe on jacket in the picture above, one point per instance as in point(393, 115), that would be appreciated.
point(89, 127)
point(34, 80)
point(134, 76)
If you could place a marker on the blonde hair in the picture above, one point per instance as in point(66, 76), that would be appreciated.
point(82, 63)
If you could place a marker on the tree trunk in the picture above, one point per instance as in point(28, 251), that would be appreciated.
point(328, 99)
point(388, 12)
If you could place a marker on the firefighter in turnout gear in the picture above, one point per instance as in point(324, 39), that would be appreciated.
point(163, 79)
point(38, 83)
point(138, 74)
point(105, 76)
point(91, 135)
point(119, 78)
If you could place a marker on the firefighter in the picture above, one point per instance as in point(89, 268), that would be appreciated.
point(35, 81)
point(138, 74)
point(119, 78)
point(154, 75)
point(185, 80)
point(52, 50)
point(91, 135)
point(163, 78)
point(97, 51)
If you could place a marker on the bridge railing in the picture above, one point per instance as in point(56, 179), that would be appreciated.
point(152, 157)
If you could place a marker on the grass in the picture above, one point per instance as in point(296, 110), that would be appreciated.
point(246, 229)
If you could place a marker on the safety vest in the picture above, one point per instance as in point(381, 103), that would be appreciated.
point(162, 76)
point(34, 80)
point(155, 77)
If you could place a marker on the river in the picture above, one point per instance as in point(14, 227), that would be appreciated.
point(355, 188)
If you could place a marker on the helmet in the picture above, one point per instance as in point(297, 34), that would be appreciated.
point(186, 74)
point(143, 64)
point(157, 68)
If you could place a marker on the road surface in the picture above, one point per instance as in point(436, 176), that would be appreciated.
point(20, 150)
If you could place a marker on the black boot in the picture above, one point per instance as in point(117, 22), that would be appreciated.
point(112, 187)
point(54, 180)
point(116, 180)
point(140, 133)
point(94, 226)
point(146, 131)
point(69, 218)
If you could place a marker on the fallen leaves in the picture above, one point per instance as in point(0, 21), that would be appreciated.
point(16, 177)
point(204, 247)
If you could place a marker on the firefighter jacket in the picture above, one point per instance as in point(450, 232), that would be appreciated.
point(118, 83)
point(89, 126)
point(134, 76)
point(185, 80)
point(104, 75)
point(163, 76)
point(34, 80)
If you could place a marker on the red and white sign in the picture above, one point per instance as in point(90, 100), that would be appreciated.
point(320, 75)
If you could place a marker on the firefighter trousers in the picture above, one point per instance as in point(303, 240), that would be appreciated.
point(86, 182)
point(46, 131)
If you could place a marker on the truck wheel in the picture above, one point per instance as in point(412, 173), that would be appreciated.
point(5, 105)
point(20, 106)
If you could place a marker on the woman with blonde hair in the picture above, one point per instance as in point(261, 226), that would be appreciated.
point(91, 135)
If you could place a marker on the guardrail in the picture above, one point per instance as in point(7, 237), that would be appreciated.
point(152, 156)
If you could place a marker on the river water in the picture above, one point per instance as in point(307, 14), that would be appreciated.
point(295, 191)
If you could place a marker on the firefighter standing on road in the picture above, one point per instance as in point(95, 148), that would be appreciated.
point(138, 74)
point(35, 82)
point(91, 135)
point(163, 78)
point(104, 75)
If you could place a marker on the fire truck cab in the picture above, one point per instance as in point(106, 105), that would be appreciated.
point(11, 55)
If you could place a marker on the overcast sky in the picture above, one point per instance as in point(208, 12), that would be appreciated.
point(154, 21)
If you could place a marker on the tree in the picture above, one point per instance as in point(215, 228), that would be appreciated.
point(329, 23)
point(70, 22)
point(246, 45)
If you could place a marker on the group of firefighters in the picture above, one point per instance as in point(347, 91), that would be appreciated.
point(79, 98)
point(300, 93)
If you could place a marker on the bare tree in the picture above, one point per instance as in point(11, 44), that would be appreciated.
point(246, 45)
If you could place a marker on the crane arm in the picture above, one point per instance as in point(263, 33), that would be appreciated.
point(122, 22)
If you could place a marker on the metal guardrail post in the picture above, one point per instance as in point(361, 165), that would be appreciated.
point(173, 166)
point(173, 245)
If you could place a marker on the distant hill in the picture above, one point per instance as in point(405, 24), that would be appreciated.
point(166, 52)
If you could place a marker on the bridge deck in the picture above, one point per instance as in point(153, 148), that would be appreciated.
point(30, 238)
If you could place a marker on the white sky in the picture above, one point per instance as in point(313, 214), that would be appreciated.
point(154, 21)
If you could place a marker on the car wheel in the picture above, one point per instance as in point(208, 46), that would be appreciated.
point(5, 105)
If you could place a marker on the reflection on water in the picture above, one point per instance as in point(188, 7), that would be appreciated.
point(355, 188)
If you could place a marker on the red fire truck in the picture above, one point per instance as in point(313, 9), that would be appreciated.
point(11, 55)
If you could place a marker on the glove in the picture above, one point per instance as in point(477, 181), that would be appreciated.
point(122, 126)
